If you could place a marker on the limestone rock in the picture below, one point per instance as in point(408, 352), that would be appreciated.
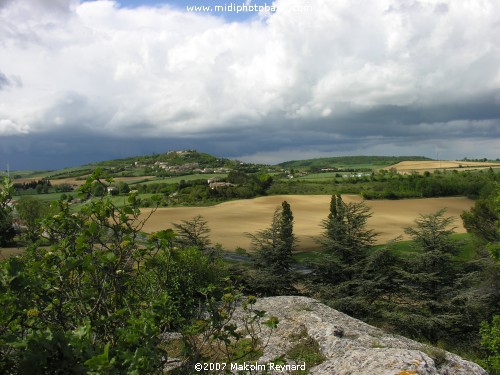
point(350, 346)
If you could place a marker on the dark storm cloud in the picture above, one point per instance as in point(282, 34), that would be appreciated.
point(468, 117)
point(101, 81)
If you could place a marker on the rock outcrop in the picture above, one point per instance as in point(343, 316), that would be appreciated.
point(348, 346)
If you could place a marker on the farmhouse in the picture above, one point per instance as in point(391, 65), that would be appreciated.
point(217, 185)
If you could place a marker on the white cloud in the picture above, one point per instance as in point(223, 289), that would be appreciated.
point(163, 72)
point(9, 127)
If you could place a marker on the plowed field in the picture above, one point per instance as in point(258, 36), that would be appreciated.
point(230, 221)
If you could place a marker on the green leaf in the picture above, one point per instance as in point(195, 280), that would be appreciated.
point(100, 362)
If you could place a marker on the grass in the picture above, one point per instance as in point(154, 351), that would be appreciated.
point(190, 177)
point(49, 197)
point(406, 249)
point(377, 344)
point(327, 176)
point(306, 349)
point(7, 252)
point(403, 249)
point(438, 355)
point(25, 174)
point(118, 200)
point(307, 256)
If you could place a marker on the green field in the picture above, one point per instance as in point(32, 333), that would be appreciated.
point(49, 197)
point(404, 249)
point(322, 177)
point(177, 179)
point(354, 162)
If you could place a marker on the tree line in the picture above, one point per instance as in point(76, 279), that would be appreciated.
point(391, 185)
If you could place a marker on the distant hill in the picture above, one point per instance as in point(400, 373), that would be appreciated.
point(351, 162)
point(187, 160)
point(182, 157)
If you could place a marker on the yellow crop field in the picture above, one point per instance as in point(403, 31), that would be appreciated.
point(230, 221)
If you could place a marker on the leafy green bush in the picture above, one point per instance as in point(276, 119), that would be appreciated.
point(490, 335)
point(99, 298)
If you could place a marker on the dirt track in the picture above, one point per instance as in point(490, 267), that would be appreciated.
point(231, 220)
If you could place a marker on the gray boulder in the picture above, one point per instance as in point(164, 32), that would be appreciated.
point(344, 345)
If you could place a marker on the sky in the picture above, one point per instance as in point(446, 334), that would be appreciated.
point(84, 81)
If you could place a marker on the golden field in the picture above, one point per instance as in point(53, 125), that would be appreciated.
point(230, 221)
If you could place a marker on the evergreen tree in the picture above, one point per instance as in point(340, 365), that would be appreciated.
point(483, 221)
point(434, 268)
point(287, 239)
point(273, 253)
point(193, 233)
point(431, 280)
point(343, 273)
point(345, 236)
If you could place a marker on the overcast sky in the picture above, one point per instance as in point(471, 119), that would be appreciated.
point(83, 81)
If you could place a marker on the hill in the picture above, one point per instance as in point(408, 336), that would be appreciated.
point(369, 162)
point(188, 161)
point(169, 163)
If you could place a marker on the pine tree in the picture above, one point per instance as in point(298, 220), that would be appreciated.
point(194, 233)
point(273, 252)
point(345, 243)
point(287, 239)
point(346, 236)
point(431, 277)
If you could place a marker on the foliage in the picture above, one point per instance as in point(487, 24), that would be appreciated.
point(490, 338)
point(345, 235)
point(349, 276)
point(123, 188)
point(390, 185)
point(38, 185)
point(216, 338)
point(196, 191)
point(432, 233)
point(99, 298)
point(494, 244)
point(30, 212)
point(345, 243)
point(482, 220)
point(306, 351)
point(430, 277)
point(273, 252)
point(434, 295)
point(193, 233)
point(342, 161)
point(7, 232)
